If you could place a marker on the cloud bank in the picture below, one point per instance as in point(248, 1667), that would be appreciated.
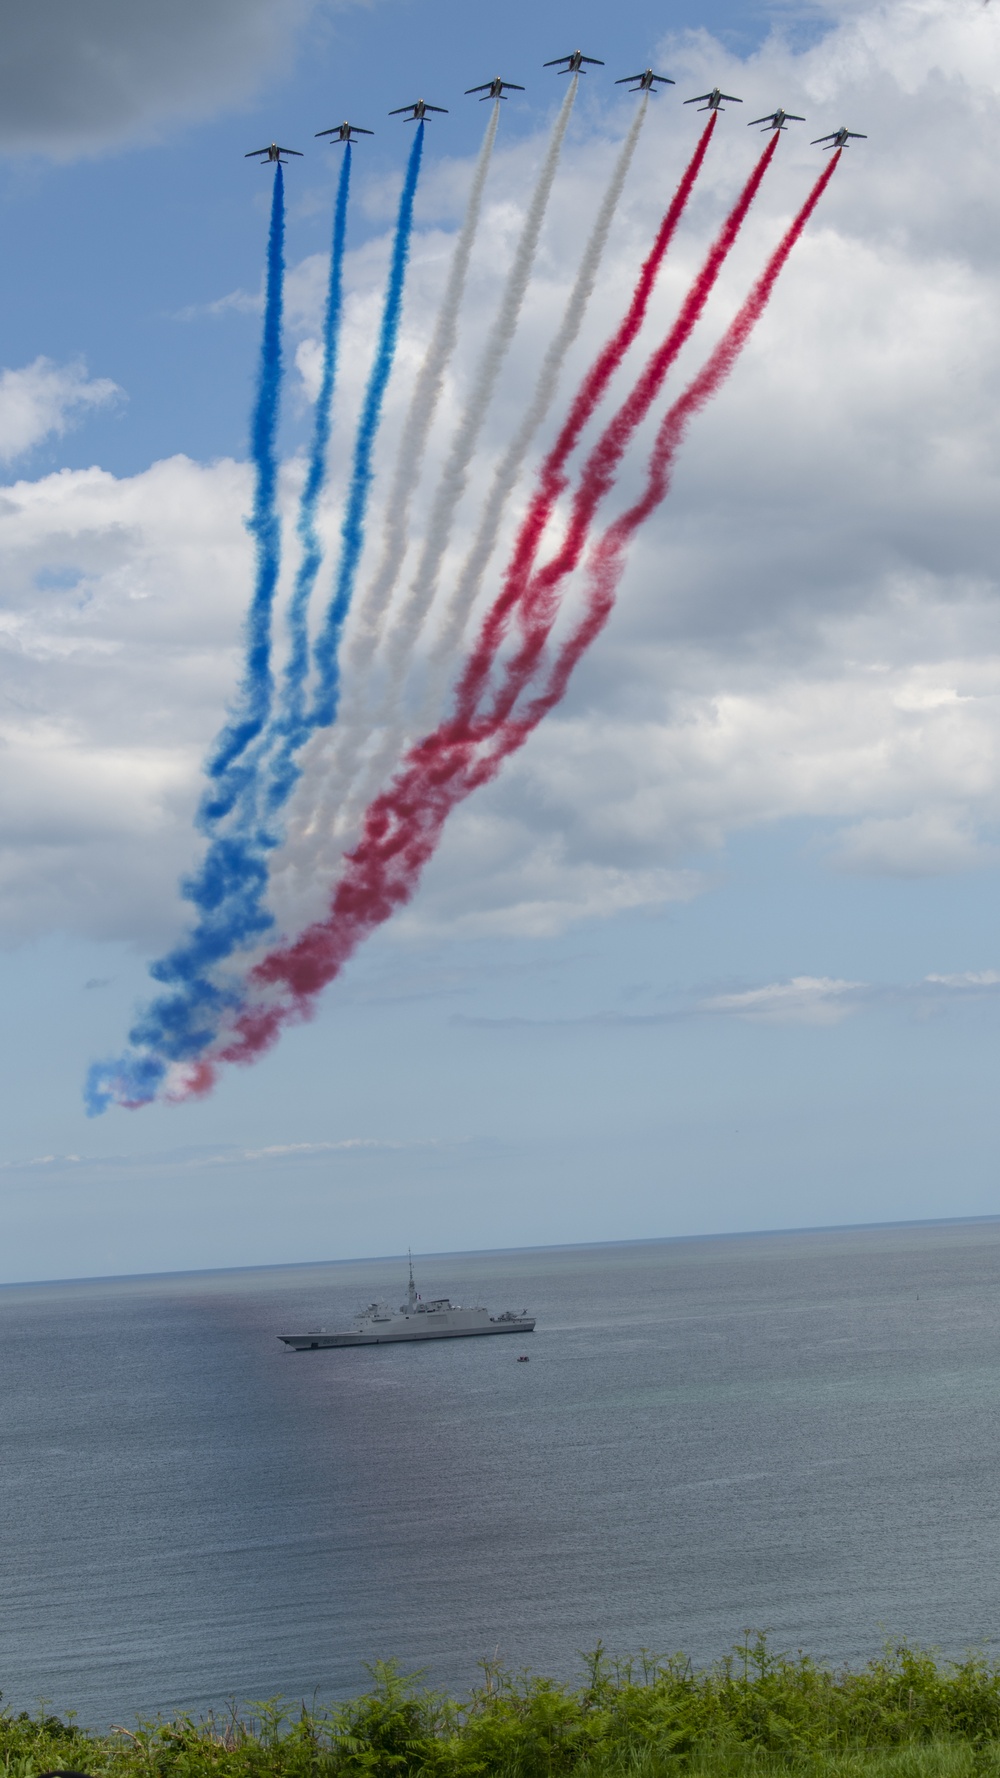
point(807, 629)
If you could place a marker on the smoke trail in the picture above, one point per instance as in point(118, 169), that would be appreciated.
point(416, 428)
point(607, 560)
point(290, 725)
point(528, 593)
point(552, 482)
point(264, 527)
point(342, 789)
point(228, 874)
point(409, 463)
point(455, 473)
point(353, 526)
point(230, 887)
point(607, 563)
point(593, 388)
point(404, 824)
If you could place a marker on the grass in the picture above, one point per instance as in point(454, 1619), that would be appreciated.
point(756, 1714)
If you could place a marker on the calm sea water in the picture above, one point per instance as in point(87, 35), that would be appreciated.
point(798, 1432)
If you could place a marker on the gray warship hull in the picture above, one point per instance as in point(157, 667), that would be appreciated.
point(313, 1342)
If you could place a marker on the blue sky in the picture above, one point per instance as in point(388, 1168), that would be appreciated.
point(719, 951)
point(112, 248)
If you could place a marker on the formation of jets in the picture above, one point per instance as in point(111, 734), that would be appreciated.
point(419, 111)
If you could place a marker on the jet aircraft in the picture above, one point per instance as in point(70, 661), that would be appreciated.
point(646, 81)
point(272, 153)
point(776, 120)
point(839, 138)
point(574, 63)
point(418, 109)
point(345, 132)
point(713, 100)
point(494, 89)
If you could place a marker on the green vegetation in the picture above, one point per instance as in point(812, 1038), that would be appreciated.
point(755, 1715)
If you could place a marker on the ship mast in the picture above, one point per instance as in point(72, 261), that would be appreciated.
point(412, 1294)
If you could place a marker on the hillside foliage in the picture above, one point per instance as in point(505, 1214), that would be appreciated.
point(756, 1714)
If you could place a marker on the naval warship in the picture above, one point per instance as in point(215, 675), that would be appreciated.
point(439, 1319)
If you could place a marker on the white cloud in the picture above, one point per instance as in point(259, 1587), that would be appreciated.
point(121, 612)
point(806, 630)
point(195, 1159)
point(235, 302)
point(927, 843)
point(805, 1000)
point(972, 980)
point(46, 399)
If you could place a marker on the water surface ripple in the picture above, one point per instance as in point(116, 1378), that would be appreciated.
point(797, 1432)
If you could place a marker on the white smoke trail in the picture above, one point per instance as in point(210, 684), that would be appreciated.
point(451, 487)
point(330, 761)
point(350, 781)
point(370, 609)
point(505, 476)
point(416, 428)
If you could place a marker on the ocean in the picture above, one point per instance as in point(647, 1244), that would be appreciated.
point(798, 1433)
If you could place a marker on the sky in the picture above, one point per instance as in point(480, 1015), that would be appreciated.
point(717, 950)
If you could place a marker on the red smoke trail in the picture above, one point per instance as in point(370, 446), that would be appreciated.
point(551, 481)
point(404, 824)
point(608, 360)
point(533, 593)
point(608, 559)
point(551, 477)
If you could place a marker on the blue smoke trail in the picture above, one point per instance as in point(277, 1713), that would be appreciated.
point(352, 530)
point(264, 526)
point(228, 890)
point(230, 887)
point(290, 726)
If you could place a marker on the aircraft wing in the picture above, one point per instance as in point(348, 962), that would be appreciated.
point(485, 88)
point(595, 61)
point(733, 100)
point(297, 151)
point(698, 98)
point(252, 151)
point(442, 108)
point(400, 109)
point(555, 63)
